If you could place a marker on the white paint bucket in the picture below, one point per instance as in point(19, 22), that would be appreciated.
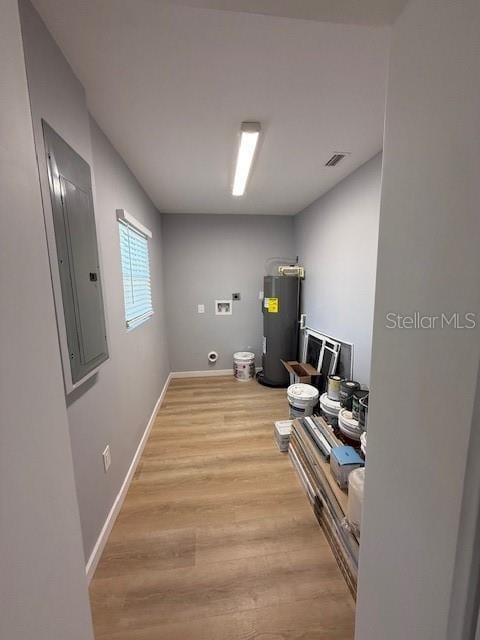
point(356, 482)
point(348, 425)
point(330, 409)
point(244, 366)
point(302, 399)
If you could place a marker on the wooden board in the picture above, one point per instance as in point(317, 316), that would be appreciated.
point(330, 502)
point(323, 467)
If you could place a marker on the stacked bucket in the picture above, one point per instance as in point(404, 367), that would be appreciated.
point(345, 405)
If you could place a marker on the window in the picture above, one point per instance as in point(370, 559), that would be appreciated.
point(135, 269)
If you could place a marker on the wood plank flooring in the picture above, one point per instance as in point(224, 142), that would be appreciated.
point(216, 539)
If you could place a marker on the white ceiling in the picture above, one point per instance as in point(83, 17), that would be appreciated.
point(170, 85)
point(366, 12)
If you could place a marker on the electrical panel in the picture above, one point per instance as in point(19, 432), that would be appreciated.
point(77, 256)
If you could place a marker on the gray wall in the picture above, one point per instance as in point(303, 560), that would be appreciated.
point(114, 406)
point(423, 381)
point(209, 257)
point(336, 239)
point(43, 592)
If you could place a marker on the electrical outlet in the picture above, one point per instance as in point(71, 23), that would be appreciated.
point(107, 458)
point(200, 308)
point(260, 295)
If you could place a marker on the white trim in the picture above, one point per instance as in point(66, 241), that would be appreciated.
point(202, 374)
point(127, 218)
point(205, 374)
point(136, 322)
point(117, 505)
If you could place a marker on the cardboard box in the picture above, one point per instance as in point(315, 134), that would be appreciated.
point(300, 371)
point(343, 460)
point(282, 431)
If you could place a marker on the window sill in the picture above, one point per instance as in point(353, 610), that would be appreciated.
point(134, 324)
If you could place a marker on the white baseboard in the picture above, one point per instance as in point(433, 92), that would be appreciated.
point(201, 374)
point(117, 505)
point(205, 374)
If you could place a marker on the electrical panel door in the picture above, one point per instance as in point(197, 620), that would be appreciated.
point(77, 253)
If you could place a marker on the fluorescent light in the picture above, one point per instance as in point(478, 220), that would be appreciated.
point(249, 134)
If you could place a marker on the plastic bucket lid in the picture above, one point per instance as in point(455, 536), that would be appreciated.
point(363, 440)
point(348, 425)
point(328, 405)
point(244, 356)
point(348, 420)
point(302, 391)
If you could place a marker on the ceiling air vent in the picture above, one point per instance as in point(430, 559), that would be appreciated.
point(337, 157)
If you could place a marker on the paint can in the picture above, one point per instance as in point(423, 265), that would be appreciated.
point(363, 413)
point(347, 389)
point(244, 366)
point(357, 396)
point(333, 388)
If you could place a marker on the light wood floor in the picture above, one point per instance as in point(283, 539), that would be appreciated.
point(216, 539)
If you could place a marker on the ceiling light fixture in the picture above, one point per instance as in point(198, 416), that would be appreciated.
point(249, 135)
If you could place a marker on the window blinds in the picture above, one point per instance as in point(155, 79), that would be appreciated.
point(136, 275)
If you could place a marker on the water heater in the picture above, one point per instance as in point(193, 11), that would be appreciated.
point(281, 306)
